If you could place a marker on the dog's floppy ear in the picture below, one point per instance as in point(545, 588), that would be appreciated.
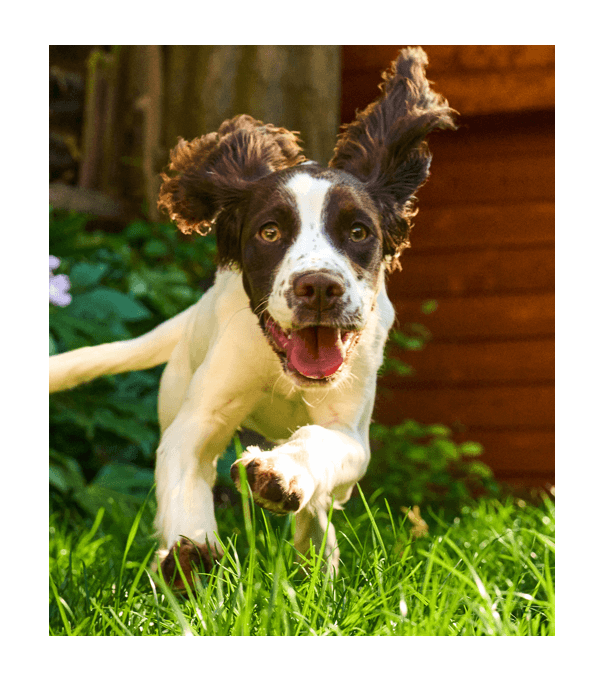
point(385, 147)
point(212, 174)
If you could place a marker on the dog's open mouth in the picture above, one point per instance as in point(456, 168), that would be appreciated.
point(313, 352)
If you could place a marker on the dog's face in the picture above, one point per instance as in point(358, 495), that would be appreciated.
point(311, 257)
point(312, 243)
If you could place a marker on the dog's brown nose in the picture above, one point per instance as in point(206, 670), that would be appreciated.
point(317, 290)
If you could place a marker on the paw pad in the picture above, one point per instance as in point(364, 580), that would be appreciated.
point(269, 488)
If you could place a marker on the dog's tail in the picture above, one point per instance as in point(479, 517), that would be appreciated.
point(85, 364)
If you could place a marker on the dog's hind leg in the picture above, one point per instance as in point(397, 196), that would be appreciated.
point(67, 370)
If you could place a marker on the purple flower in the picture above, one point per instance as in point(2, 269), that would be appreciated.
point(58, 284)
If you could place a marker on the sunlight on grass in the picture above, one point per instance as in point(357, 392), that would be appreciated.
point(488, 572)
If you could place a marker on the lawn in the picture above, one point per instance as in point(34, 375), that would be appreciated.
point(487, 571)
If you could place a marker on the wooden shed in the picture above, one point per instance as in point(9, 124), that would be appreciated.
point(483, 249)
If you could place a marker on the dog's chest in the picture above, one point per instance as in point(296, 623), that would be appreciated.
point(277, 417)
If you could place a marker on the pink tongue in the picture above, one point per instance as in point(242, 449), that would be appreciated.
point(315, 352)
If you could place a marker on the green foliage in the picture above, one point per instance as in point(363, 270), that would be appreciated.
point(412, 337)
point(415, 464)
point(122, 285)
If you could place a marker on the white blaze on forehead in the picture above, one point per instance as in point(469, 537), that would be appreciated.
point(309, 195)
point(311, 249)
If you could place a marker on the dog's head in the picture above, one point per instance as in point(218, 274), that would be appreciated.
point(312, 242)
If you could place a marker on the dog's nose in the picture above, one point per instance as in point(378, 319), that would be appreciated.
point(317, 290)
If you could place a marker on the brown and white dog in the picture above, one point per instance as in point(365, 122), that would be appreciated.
point(289, 340)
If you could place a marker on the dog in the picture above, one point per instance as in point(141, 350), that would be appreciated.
point(289, 339)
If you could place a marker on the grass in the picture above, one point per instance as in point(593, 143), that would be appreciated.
point(489, 571)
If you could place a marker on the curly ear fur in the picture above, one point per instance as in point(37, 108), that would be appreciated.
point(385, 148)
point(214, 172)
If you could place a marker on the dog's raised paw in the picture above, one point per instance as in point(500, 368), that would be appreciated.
point(272, 487)
point(192, 558)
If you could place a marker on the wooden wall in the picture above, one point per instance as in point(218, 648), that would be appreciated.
point(483, 248)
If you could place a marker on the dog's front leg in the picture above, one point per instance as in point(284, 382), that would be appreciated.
point(215, 405)
point(302, 476)
point(185, 475)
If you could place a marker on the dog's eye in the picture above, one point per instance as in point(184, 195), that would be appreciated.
point(270, 233)
point(358, 233)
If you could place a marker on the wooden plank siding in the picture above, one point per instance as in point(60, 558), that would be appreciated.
point(483, 248)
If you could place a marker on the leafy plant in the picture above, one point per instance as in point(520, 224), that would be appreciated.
point(416, 464)
point(122, 285)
